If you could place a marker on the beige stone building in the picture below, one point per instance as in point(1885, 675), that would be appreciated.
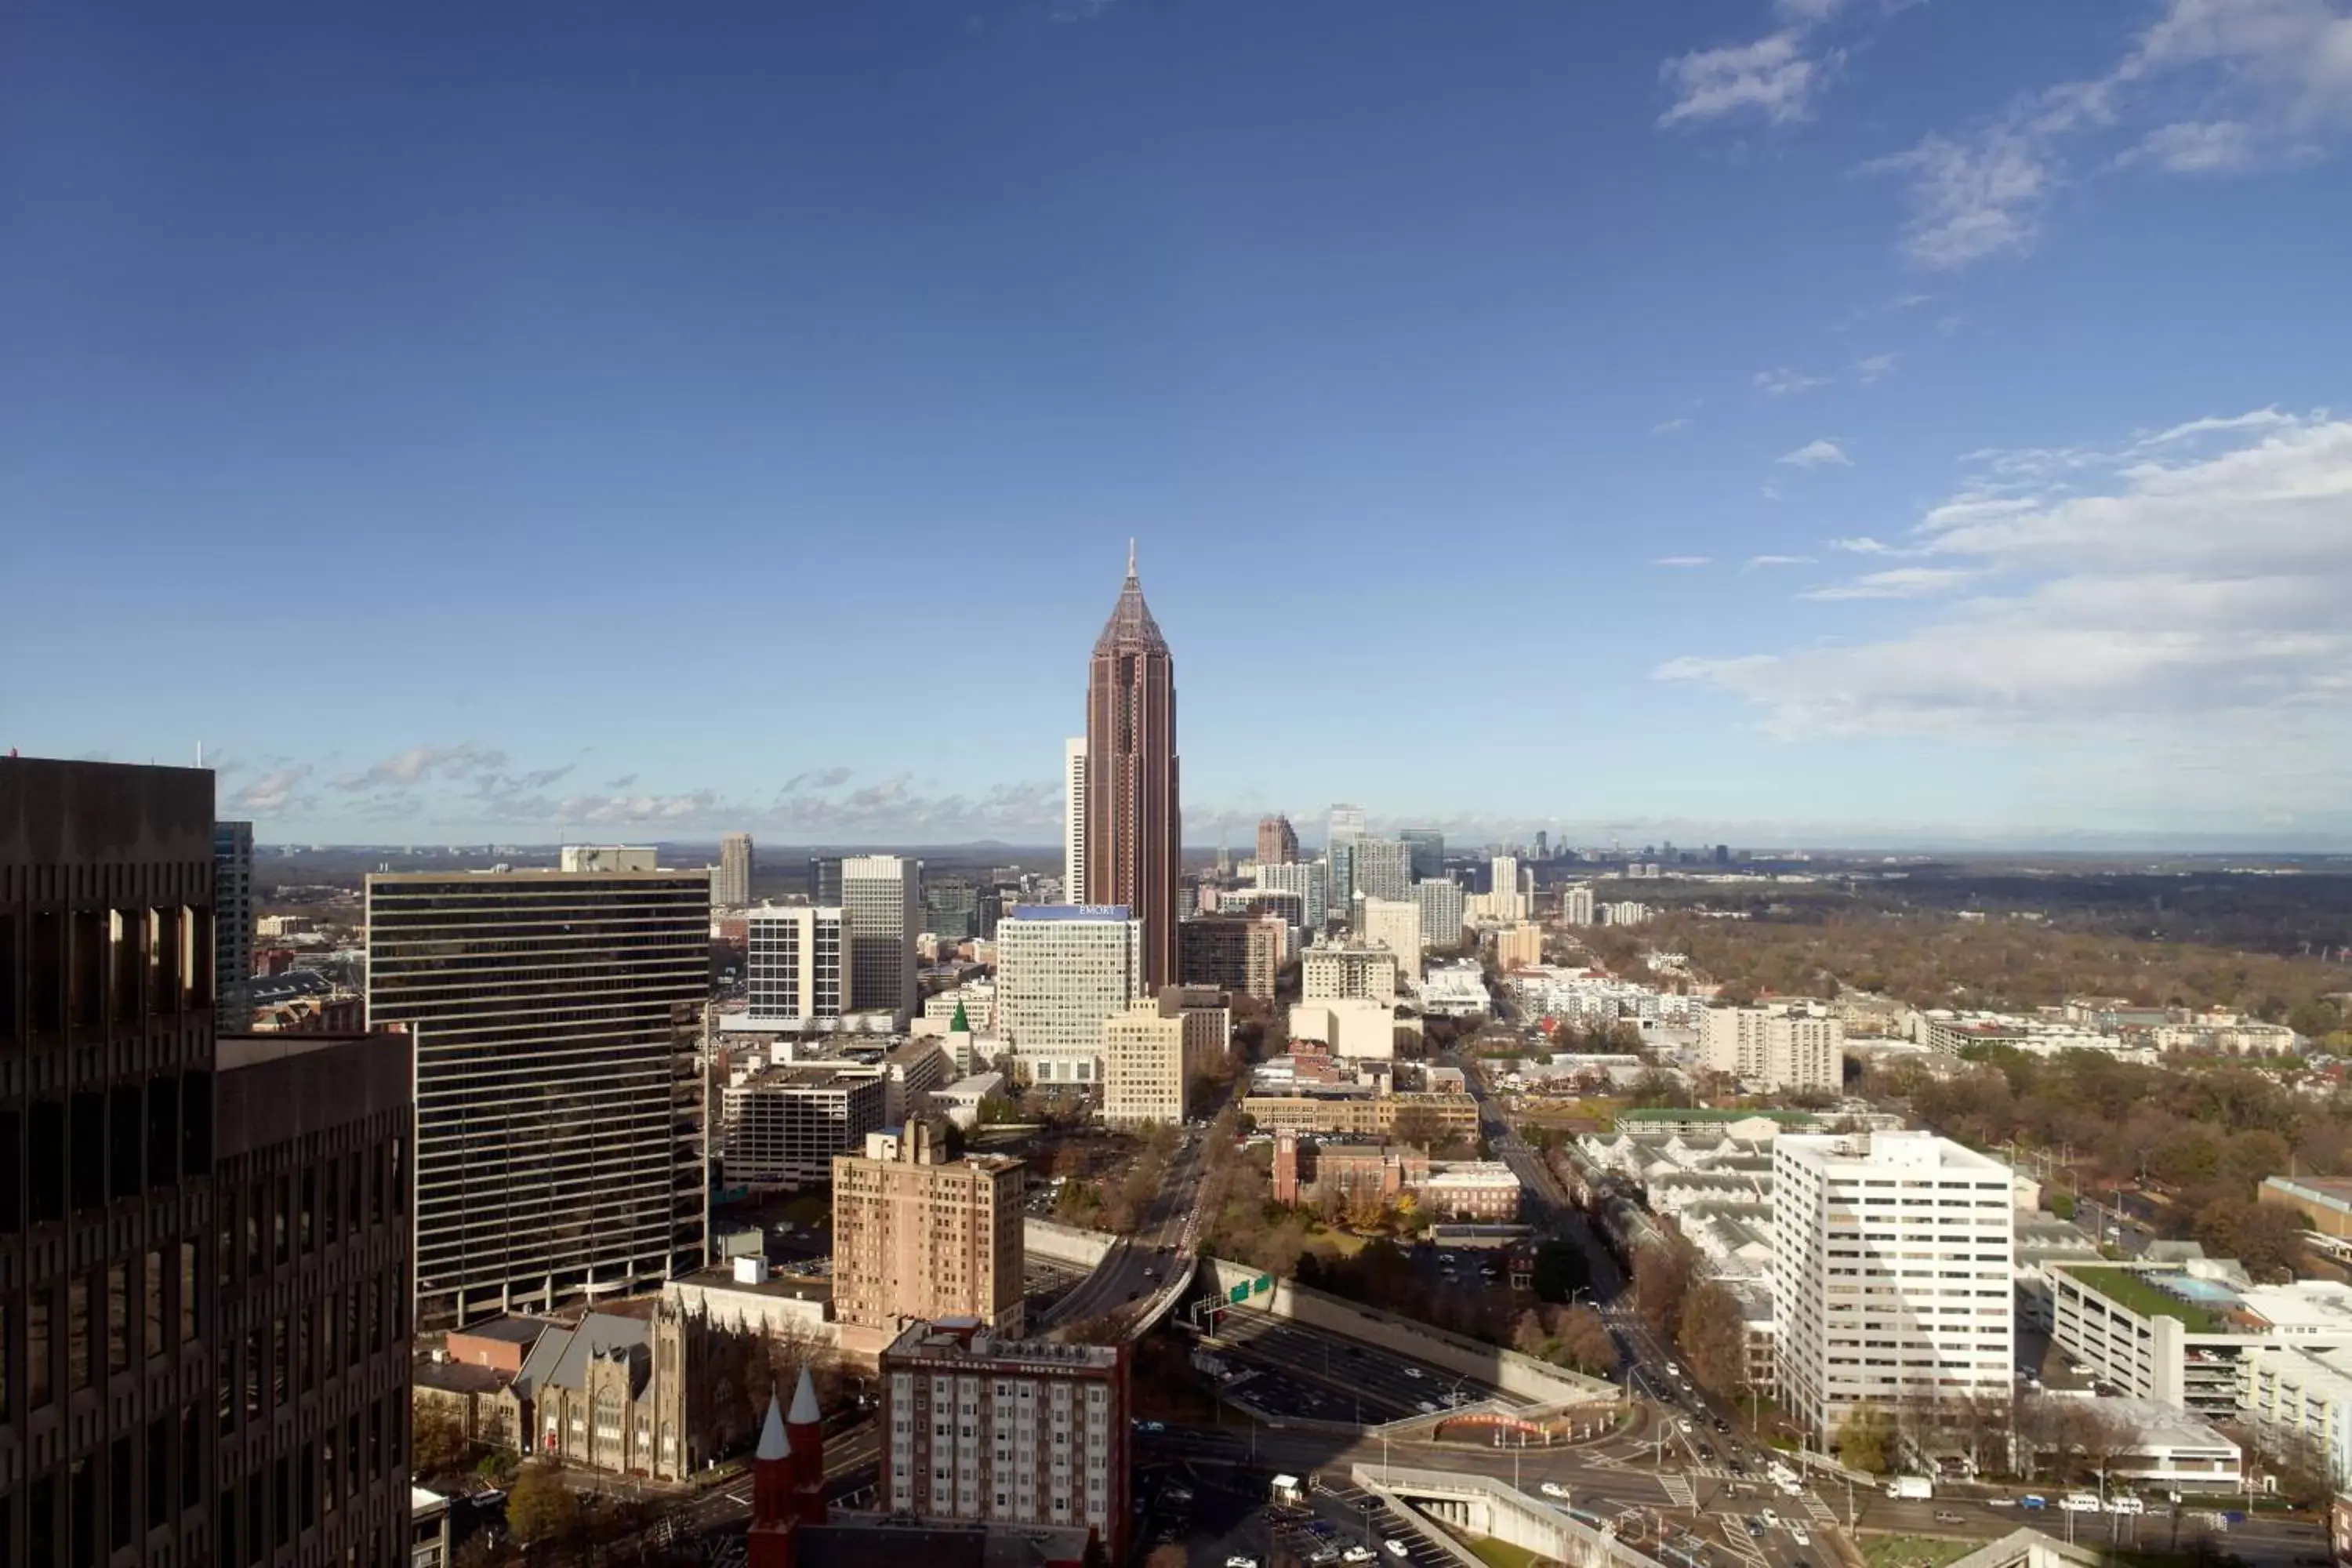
point(1518, 947)
point(919, 1235)
point(1358, 1115)
point(1154, 1050)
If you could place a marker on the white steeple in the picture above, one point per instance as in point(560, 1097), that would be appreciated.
point(773, 1444)
point(804, 1410)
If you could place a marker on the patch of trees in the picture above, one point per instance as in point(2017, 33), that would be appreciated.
point(2206, 1138)
point(1701, 1316)
point(1930, 959)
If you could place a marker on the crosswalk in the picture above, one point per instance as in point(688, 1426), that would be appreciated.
point(1678, 1489)
point(1820, 1511)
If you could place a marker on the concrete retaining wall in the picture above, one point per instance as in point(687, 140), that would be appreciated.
point(1509, 1371)
point(1065, 1243)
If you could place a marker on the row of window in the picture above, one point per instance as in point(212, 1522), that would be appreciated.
point(136, 1307)
point(268, 1222)
point(273, 1364)
point(83, 1151)
point(88, 969)
point(114, 1497)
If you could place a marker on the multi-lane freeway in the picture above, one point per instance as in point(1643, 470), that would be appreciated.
point(1139, 1263)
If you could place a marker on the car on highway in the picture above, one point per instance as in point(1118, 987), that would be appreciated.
point(1945, 1516)
point(1771, 1520)
point(1396, 1548)
point(1721, 1425)
point(1755, 1529)
point(1797, 1533)
point(1413, 1372)
point(1683, 1424)
point(2080, 1502)
point(1553, 1489)
point(2125, 1502)
point(2033, 1500)
point(1151, 1426)
point(1426, 1408)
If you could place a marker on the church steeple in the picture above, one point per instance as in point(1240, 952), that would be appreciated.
point(774, 1509)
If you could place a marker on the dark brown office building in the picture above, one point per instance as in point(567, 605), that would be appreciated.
point(117, 1420)
point(1133, 822)
point(1241, 953)
point(106, 1164)
point(313, 1252)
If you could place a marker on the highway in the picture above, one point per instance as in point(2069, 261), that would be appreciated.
point(1139, 1264)
point(1382, 1385)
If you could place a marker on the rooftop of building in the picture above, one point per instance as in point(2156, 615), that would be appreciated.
point(2335, 1192)
point(2155, 1424)
point(964, 1339)
point(1065, 912)
point(781, 1287)
point(455, 1376)
point(814, 1076)
point(1889, 1152)
point(510, 1331)
point(2211, 1299)
point(1634, 1119)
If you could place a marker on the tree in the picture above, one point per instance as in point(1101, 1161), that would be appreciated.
point(540, 1508)
point(2266, 1238)
point(995, 1110)
point(1715, 1338)
point(1867, 1441)
point(1418, 1125)
point(436, 1438)
point(1585, 1340)
point(1661, 1279)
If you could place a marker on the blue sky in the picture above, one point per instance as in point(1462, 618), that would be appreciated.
point(1820, 419)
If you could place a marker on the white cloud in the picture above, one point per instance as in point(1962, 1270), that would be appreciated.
point(1773, 79)
point(2282, 70)
point(1787, 382)
point(1684, 561)
point(2198, 147)
point(1668, 426)
point(272, 793)
point(1823, 453)
point(1971, 201)
point(2174, 602)
point(1862, 544)
point(1874, 368)
point(1755, 562)
point(1897, 583)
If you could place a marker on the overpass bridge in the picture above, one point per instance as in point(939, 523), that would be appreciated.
point(1482, 1505)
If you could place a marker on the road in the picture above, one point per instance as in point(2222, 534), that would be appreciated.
point(1139, 1264)
point(1549, 1205)
point(1380, 1384)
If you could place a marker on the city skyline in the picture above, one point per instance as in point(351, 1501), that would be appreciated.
point(1807, 423)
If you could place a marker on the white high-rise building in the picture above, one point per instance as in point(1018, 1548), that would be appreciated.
point(1893, 1264)
point(1061, 970)
point(1310, 879)
point(1576, 904)
point(730, 887)
point(1395, 924)
point(1383, 869)
point(1330, 972)
point(795, 964)
point(1074, 820)
point(1788, 1045)
point(882, 896)
point(1440, 900)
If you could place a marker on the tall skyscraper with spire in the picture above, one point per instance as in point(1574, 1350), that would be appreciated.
point(1133, 822)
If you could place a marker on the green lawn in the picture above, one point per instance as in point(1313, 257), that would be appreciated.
point(1503, 1554)
point(1912, 1551)
point(2127, 1289)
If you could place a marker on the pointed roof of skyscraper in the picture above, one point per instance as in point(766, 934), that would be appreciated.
point(1131, 625)
point(804, 1410)
point(961, 1024)
point(773, 1443)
